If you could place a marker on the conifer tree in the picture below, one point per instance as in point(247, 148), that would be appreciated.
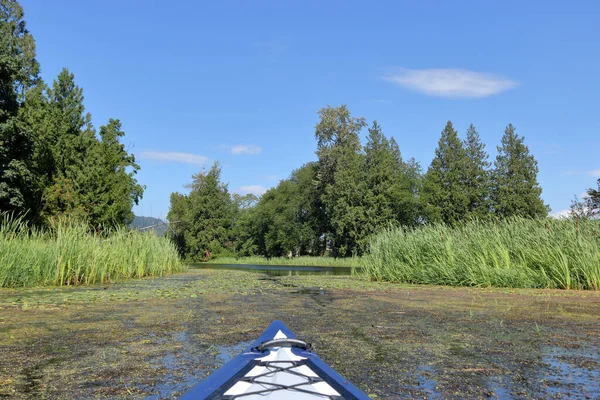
point(444, 197)
point(477, 176)
point(406, 204)
point(205, 216)
point(106, 184)
point(382, 178)
point(515, 187)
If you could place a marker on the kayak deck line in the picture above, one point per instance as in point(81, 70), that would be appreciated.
point(276, 366)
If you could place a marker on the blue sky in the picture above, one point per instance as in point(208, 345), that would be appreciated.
point(241, 81)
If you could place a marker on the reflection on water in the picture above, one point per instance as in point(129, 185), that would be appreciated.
point(278, 270)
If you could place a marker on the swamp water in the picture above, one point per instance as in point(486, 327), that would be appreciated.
point(155, 338)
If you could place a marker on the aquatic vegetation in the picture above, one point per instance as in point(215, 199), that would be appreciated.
point(518, 252)
point(301, 261)
point(69, 254)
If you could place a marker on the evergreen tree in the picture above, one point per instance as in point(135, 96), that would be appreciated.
point(477, 176)
point(106, 184)
point(407, 208)
point(444, 196)
point(515, 187)
point(18, 73)
point(206, 216)
point(72, 127)
point(382, 178)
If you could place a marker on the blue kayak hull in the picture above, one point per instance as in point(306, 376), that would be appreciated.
point(219, 384)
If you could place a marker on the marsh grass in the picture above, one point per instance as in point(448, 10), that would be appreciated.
point(306, 261)
point(544, 253)
point(69, 254)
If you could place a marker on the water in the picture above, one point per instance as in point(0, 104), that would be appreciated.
point(278, 270)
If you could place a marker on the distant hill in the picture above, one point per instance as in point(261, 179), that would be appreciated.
point(148, 223)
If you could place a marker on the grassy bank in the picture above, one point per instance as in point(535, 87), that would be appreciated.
point(68, 254)
point(302, 261)
point(546, 253)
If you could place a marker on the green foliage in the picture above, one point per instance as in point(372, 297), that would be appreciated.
point(340, 175)
point(588, 206)
point(477, 176)
point(516, 252)
point(202, 220)
point(594, 200)
point(18, 72)
point(444, 196)
point(516, 191)
point(282, 221)
point(108, 188)
point(69, 254)
point(51, 161)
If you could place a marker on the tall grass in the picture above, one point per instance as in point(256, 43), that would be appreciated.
point(69, 254)
point(307, 261)
point(525, 253)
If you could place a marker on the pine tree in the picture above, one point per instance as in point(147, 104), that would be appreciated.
point(477, 176)
point(515, 187)
point(444, 197)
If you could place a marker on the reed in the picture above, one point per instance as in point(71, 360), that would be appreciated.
point(69, 254)
point(307, 261)
point(515, 253)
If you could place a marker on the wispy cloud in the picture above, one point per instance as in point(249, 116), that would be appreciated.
point(173, 156)
point(254, 189)
point(450, 82)
point(271, 177)
point(594, 173)
point(561, 214)
point(244, 149)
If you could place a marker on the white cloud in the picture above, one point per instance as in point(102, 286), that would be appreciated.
point(594, 173)
point(254, 189)
point(561, 214)
point(173, 156)
point(450, 82)
point(245, 149)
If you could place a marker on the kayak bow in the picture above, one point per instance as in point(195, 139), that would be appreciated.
point(276, 366)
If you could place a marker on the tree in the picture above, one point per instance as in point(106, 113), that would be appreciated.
point(18, 73)
point(282, 223)
point(107, 188)
point(206, 216)
point(444, 197)
point(588, 206)
point(382, 173)
point(390, 196)
point(477, 176)
point(594, 196)
point(515, 187)
point(406, 199)
point(339, 179)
